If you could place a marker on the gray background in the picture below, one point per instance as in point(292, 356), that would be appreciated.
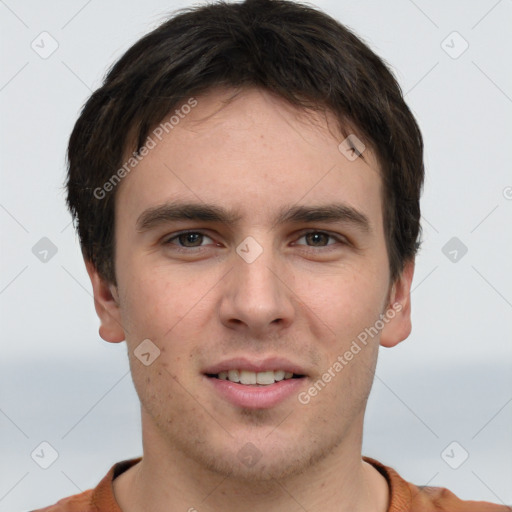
point(450, 381)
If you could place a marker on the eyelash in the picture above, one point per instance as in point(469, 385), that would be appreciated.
point(340, 239)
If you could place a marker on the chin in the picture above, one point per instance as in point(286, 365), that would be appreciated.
point(269, 467)
point(259, 460)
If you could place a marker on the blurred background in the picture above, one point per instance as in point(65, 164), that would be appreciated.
point(440, 411)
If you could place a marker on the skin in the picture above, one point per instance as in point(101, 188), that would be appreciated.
point(303, 298)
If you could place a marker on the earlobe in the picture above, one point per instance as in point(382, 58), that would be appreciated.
point(106, 303)
point(398, 312)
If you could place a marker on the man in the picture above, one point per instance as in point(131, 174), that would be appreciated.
point(246, 187)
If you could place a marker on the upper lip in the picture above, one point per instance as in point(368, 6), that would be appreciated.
point(255, 365)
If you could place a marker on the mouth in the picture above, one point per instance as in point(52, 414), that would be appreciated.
point(252, 384)
point(251, 378)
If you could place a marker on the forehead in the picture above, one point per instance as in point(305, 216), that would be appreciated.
point(253, 152)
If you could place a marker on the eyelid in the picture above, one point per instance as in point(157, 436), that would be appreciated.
point(336, 236)
point(168, 239)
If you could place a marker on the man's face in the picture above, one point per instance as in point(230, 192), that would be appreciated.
point(273, 293)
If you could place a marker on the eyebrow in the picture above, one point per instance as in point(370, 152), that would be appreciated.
point(172, 211)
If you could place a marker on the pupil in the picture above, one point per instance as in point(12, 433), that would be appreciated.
point(315, 236)
point(191, 237)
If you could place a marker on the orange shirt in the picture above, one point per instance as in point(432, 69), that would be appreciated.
point(404, 497)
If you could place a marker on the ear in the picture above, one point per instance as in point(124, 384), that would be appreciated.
point(106, 303)
point(398, 311)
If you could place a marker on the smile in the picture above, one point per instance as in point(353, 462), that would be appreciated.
point(248, 377)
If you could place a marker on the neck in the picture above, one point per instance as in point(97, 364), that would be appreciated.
point(339, 482)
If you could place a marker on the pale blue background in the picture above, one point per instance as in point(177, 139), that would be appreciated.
point(451, 381)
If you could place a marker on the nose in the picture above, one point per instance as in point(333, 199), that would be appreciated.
point(257, 296)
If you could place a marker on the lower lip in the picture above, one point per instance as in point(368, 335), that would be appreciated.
point(256, 397)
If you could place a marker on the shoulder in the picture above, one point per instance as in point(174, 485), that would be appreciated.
point(99, 499)
point(404, 496)
point(77, 503)
point(441, 499)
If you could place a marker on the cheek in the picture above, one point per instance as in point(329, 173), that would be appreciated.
point(151, 306)
point(170, 310)
point(153, 289)
point(342, 305)
point(159, 391)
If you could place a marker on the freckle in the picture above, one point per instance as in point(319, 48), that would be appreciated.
point(159, 373)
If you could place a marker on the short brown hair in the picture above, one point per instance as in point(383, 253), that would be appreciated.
point(288, 48)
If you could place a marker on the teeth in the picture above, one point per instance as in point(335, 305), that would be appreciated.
point(251, 378)
point(234, 375)
point(279, 375)
point(265, 378)
point(247, 377)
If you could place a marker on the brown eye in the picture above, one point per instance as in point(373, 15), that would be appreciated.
point(192, 238)
point(188, 239)
point(317, 238)
point(320, 239)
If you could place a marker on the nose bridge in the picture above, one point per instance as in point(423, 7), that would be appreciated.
point(256, 295)
point(258, 276)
